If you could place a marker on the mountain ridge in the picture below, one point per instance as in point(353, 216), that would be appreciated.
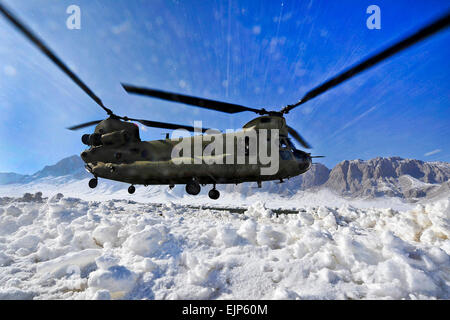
point(72, 166)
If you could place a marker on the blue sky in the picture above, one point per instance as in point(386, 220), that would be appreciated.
point(255, 53)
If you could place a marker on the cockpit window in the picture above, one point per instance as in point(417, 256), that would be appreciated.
point(285, 155)
point(283, 143)
point(299, 155)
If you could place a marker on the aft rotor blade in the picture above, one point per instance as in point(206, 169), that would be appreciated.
point(317, 156)
point(164, 125)
point(423, 33)
point(298, 138)
point(190, 100)
point(49, 53)
point(84, 125)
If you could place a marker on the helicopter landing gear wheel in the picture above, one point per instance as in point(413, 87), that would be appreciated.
point(214, 194)
point(193, 188)
point(131, 189)
point(93, 183)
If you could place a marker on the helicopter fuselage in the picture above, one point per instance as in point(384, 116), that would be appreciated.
point(117, 153)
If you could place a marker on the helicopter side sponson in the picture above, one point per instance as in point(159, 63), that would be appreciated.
point(127, 159)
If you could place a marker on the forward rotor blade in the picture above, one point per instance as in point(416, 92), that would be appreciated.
point(164, 125)
point(193, 101)
point(423, 33)
point(298, 138)
point(46, 50)
point(84, 125)
point(317, 156)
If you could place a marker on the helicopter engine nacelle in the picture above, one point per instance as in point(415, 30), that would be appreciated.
point(116, 138)
point(91, 139)
point(268, 123)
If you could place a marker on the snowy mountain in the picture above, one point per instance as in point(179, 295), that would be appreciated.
point(10, 178)
point(394, 177)
point(379, 177)
point(72, 167)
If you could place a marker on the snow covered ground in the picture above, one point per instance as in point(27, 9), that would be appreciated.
point(69, 248)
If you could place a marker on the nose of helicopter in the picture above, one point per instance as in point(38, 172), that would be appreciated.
point(304, 160)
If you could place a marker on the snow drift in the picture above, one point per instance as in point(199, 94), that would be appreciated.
point(68, 248)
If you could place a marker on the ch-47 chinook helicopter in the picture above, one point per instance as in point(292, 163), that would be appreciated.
point(116, 151)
